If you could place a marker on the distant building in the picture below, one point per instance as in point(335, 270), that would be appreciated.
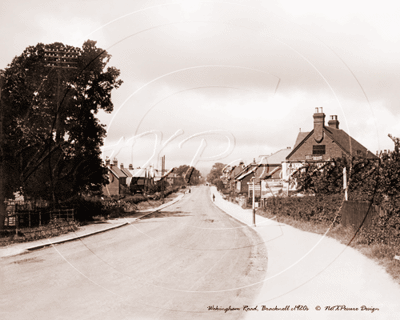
point(273, 163)
point(142, 180)
point(116, 177)
point(322, 144)
point(127, 172)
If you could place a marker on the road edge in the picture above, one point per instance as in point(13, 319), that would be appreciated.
point(42, 245)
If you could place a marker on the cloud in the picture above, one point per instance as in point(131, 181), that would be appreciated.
point(256, 69)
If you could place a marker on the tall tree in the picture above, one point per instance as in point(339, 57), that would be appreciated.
point(52, 137)
point(189, 174)
point(215, 173)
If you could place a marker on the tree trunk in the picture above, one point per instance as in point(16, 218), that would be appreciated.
point(2, 177)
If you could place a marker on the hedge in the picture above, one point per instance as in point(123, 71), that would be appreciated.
point(319, 208)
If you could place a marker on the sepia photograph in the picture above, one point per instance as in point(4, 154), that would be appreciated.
point(199, 159)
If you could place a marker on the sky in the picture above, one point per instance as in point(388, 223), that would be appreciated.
point(223, 81)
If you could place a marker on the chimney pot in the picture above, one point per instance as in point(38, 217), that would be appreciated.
point(334, 122)
point(121, 165)
point(130, 167)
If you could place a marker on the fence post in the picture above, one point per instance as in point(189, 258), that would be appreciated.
point(16, 223)
point(40, 218)
point(29, 218)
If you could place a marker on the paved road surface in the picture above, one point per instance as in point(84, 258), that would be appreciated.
point(170, 265)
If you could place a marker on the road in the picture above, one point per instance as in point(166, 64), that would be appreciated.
point(173, 264)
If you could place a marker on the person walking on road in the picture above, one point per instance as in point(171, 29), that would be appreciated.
point(213, 197)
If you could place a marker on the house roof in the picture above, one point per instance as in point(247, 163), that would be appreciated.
point(277, 157)
point(235, 171)
point(340, 137)
point(244, 171)
point(300, 138)
point(117, 172)
point(347, 143)
point(261, 172)
point(126, 172)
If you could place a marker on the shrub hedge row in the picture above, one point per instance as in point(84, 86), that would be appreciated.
point(86, 209)
point(320, 208)
point(385, 227)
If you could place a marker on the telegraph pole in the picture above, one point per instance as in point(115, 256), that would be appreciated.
point(254, 201)
point(162, 180)
point(58, 59)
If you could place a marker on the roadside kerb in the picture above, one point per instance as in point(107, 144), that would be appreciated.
point(42, 245)
point(76, 237)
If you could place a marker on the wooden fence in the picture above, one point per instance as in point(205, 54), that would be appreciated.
point(358, 213)
point(36, 218)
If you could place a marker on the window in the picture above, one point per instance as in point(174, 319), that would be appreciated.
point(318, 149)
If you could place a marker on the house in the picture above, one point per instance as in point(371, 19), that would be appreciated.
point(243, 178)
point(127, 172)
point(273, 163)
point(231, 175)
point(116, 177)
point(142, 180)
point(322, 144)
point(174, 179)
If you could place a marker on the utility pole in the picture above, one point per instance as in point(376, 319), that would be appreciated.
point(162, 175)
point(254, 200)
point(2, 178)
point(58, 59)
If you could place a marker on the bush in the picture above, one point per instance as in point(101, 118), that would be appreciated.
point(385, 227)
point(84, 209)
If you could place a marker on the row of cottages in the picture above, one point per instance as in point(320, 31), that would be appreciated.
point(121, 178)
point(266, 174)
point(272, 172)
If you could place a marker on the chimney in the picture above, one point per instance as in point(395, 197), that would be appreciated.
point(319, 122)
point(115, 163)
point(107, 162)
point(333, 122)
point(121, 165)
point(131, 167)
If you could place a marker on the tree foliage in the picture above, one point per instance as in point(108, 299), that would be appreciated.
point(214, 177)
point(53, 137)
point(188, 173)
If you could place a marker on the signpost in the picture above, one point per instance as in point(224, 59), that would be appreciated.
point(254, 205)
point(345, 183)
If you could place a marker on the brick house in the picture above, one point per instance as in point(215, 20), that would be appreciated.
point(322, 144)
point(116, 178)
point(127, 173)
point(243, 178)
